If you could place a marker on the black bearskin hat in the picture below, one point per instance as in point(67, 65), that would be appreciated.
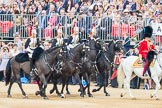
point(147, 31)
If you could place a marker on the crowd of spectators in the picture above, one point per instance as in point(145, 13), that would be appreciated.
point(112, 18)
point(44, 15)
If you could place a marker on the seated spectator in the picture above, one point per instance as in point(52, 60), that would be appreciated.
point(5, 55)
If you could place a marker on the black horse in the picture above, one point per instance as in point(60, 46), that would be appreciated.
point(105, 61)
point(72, 63)
point(16, 65)
point(46, 66)
point(89, 66)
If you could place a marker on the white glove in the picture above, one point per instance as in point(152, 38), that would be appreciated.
point(140, 61)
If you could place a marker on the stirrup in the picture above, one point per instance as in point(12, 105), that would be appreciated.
point(34, 71)
point(31, 73)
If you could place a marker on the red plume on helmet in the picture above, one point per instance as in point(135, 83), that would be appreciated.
point(58, 26)
point(73, 27)
point(30, 30)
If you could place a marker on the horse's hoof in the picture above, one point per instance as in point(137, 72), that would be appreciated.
point(37, 93)
point(94, 90)
point(51, 91)
point(9, 96)
point(45, 98)
point(121, 95)
point(81, 95)
point(25, 97)
point(107, 94)
point(151, 96)
point(78, 90)
point(68, 93)
point(90, 95)
point(62, 96)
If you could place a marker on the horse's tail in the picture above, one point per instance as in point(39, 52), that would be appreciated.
point(8, 72)
point(120, 75)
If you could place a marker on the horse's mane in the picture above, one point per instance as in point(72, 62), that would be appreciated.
point(76, 47)
point(110, 43)
point(51, 49)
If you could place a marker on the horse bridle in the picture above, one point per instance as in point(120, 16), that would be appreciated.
point(53, 67)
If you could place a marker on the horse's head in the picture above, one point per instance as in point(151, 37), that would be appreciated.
point(115, 46)
point(100, 45)
point(96, 44)
point(118, 46)
point(54, 53)
point(79, 52)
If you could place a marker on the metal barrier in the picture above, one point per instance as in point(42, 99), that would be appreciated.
point(46, 26)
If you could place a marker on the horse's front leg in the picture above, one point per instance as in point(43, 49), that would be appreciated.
point(23, 92)
point(40, 85)
point(127, 87)
point(54, 81)
point(80, 83)
point(13, 79)
point(43, 90)
point(64, 80)
point(106, 83)
point(157, 87)
point(67, 83)
point(100, 78)
point(88, 79)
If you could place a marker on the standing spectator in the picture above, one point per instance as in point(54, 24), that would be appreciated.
point(105, 5)
point(51, 10)
point(68, 6)
point(22, 11)
point(18, 42)
point(81, 23)
point(133, 18)
point(15, 50)
point(89, 20)
point(147, 19)
point(126, 16)
point(39, 11)
point(106, 26)
point(97, 22)
point(43, 20)
point(95, 9)
point(5, 55)
point(46, 45)
point(61, 17)
point(126, 43)
point(1, 12)
point(7, 11)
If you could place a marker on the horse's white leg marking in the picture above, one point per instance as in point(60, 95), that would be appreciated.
point(157, 87)
point(127, 82)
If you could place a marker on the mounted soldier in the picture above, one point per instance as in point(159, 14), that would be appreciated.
point(74, 39)
point(32, 42)
point(146, 45)
point(33, 48)
point(58, 40)
point(92, 34)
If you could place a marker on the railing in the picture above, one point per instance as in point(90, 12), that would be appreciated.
point(46, 26)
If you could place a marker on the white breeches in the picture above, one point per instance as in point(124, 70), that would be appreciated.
point(70, 46)
point(30, 51)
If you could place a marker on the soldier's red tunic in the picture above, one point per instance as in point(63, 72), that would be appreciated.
point(145, 46)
